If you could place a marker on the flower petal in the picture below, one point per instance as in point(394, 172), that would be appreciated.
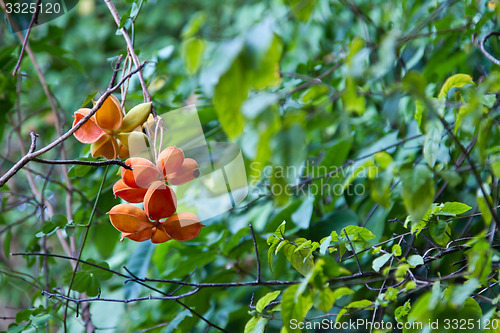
point(127, 193)
point(123, 152)
point(187, 171)
point(159, 235)
point(106, 146)
point(140, 236)
point(183, 226)
point(170, 159)
point(160, 201)
point(143, 173)
point(110, 114)
point(89, 132)
point(129, 218)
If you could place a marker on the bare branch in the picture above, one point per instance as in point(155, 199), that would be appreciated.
point(79, 162)
point(30, 156)
point(483, 50)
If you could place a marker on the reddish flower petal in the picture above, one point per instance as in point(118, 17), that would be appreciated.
point(140, 236)
point(127, 193)
point(159, 235)
point(170, 159)
point(160, 201)
point(129, 218)
point(106, 146)
point(187, 171)
point(143, 173)
point(110, 114)
point(89, 132)
point(183, 226)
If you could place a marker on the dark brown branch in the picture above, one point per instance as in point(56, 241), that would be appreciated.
point(79, 162)
point(115, 72)
point(130, 300)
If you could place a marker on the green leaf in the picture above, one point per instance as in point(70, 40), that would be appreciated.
point(101, 274)
point(194, 25)
point(479, 259)
point(454, 81)
point(268, 298)
point(495, 167)
point(299, 260)
point(440, 232)
point(351, 100)
point(293, 307)
point(59, 220)
point(192, 53)
point(402, 312)
point(174, 323)
point(229, 95)
point(396, 250)
point(79, 170)
point(325, 299)
point(341, 292)
point(433, 133)
point(483, 206)
point(454, 208)
point(6, 244)
point(325, 243)
point(234, 240)
point(88, 99)
point(301, 9)
point(380, 261)
point(270, 253)
point(256, 325)
point(364, 303)
point(418, 190)
point(415, 260)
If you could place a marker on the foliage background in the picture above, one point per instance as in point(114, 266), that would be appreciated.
point(252, 68)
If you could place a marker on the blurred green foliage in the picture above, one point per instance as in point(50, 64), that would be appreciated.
point(353, 123)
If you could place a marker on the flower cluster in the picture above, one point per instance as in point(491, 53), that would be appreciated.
point(147, 183)
point(108, 130)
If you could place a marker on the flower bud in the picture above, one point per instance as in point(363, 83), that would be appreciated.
point(135, 117)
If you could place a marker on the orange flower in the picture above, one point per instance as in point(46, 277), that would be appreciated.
point(103, 128)
point(134, 224)
point(146, 182)
point(139, 225)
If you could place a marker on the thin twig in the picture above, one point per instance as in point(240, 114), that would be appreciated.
point(80, 162)
point(483, 50)
point(34, 19)
point(30, 156)
point(256, 251)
